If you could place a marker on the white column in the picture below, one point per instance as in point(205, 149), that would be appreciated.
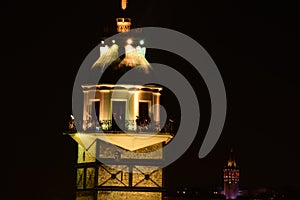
point(85, 106)
point(156, 114)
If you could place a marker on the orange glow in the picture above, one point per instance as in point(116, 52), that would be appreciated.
point(136, 104)
point(123, 24)
point(124, 4)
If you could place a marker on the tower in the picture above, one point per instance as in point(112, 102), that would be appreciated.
point(121, 137)
point(231, 178)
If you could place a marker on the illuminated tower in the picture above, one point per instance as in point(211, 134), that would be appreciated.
point(121, 138)
point(231, 178)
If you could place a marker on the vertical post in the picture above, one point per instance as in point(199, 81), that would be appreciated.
point(157, 109)
point(84, 178)
point(97, 153)
point(85, 105)
point(130, 175)
point(96, 181)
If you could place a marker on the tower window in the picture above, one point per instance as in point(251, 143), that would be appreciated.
point(95, 110)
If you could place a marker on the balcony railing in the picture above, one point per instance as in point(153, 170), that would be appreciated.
point(133, 126)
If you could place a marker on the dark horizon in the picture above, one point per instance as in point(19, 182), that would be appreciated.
point(255, 46)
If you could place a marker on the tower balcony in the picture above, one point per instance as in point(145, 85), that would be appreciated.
point(130, 137)
point(128, 126)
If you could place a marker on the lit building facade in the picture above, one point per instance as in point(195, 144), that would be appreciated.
point(121, 138)
point(118, 164)
point(231, 178)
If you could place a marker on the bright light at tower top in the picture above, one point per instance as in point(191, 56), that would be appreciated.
point(123, 24)
point(142, 42)
point(129, 41)
point(124, 4)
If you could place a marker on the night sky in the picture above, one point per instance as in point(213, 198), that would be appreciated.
point(254, 45)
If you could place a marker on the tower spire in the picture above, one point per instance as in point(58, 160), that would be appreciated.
point(123, 24)
point(124, 4)
point(231, 161)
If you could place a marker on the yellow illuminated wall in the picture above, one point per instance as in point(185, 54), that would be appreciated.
point(147, 176)
point(85, 195)
point(91, 175)
point(80, 178)
point(120, 173)
point(122, 195)
point(118, 180)
point(85, 156)
point(107, 150)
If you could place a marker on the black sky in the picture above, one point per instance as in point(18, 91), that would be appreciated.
point(255, 46)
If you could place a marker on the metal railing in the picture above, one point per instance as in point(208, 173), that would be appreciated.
point(126, 125)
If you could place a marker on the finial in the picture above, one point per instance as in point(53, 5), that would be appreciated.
point(123, 24)
point(231, 161)
point(124, 4)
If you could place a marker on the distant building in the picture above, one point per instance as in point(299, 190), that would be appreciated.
point(231, 178)
point(232, 190)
